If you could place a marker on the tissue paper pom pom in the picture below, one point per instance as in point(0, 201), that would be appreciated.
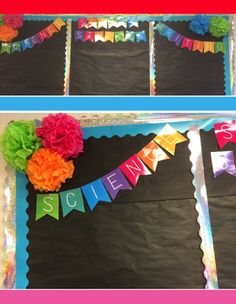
point(219, 26)
point(7, 33)
point(61, 133)
point(14, 21)
point(200, 24)
point(1, 19)
point(18, 142)
point(47, 170)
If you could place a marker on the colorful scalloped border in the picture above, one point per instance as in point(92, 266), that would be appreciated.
point(97, 132)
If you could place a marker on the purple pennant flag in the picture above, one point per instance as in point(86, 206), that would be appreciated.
point(177, 38)
point(114, 182)
point(79, 35)
point(35, 40)
point(223, 161)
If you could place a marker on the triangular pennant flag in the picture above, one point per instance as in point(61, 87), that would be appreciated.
point(223, 161)
point(109, 36)
point(112, 23)
point(95, 192)
point(219, 47)
point(198, 46)
point(130, 36)
point(58, 23)
point(79, 35)
point(99, 36)
point(177, 38)
point(51, 29)
point(102, 23)
point(225, 132)
point(6, 48)
point(119, 36)
point(133, 168)
point(26, 44)
point(72, 200)
point(35, 40)
point(47, 204)
point(82, 23)
point(16, 47)
point(209, 46)
point(89, 36)
point(92, 22)
point(43, 35)
point(114, 182)
point(168, 138)
point(187, 43)
point(133, 23)
point(141, 36)
point(151, 154)
point(121, 24)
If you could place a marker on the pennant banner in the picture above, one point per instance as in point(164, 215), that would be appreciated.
point(99, 23)
point(30, 42)
point(223, 161)
point(225, 132)
point(107, 187)
point(104, 36)
point(191, 44)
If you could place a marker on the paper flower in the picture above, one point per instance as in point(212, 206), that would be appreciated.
point(7, 33)
point(200, 24)
point(61, 133)
point(219, 26)
point(18, 143)
point(47, 170)
point(14, 21)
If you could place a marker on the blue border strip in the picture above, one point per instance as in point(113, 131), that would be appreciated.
point(21, 182)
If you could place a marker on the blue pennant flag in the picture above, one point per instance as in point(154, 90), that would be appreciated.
point(141, 36)
point(26, 44)
point(168, 33)
point(95, 192)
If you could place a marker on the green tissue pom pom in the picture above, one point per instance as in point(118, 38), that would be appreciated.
point(219, 26)
point(18, 142)
point(1, 19)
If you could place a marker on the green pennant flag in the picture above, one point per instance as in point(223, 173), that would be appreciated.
point(119, 36)
point(219, 47)
point(6, 48)
point(47, 204)
point(130, 36)
point(70, 200)
point(15, 47)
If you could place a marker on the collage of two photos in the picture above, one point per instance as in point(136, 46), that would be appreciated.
point(126, 199)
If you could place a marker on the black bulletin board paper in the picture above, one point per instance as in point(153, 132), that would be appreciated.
point(36, 71)
point(146, 238)
point(183, 72)
point(106, 68)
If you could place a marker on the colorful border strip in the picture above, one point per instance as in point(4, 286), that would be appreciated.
point(67, 57)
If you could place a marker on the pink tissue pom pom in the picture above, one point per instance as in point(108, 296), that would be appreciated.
point(61, 133)
point(14, 21)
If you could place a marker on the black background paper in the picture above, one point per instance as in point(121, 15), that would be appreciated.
point(146, 238)
point(183, 72)
point(222, 203)
point(106, 68)
point(36, 71)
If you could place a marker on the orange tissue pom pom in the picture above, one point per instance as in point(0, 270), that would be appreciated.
point(7, 33)
point(47, 170)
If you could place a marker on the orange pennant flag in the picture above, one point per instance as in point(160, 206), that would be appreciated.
point(51, 29)
point(92, 22)
point(58, 23)
point(168, 138)
point(198, 46)
point(209, 46)
point(151, 154)
point(109, 36)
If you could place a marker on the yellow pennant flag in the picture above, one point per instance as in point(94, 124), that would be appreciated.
point(168, 138)
point(198, 46)
point(209, 46)
point(58, 23)
point(109, 36)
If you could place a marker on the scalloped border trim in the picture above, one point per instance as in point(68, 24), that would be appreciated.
point(67, 57)
point(200, 195)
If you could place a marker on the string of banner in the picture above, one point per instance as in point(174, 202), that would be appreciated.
point(107, 187)
point(30, 42)
point(191, 44)
point(223, 161)
point(105, 36)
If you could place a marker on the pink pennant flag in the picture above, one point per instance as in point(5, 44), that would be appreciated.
point(225, 132)
point(133, 168)
point(187, 43)
point(43, 35)
point(82, 22)
point(89, 36)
